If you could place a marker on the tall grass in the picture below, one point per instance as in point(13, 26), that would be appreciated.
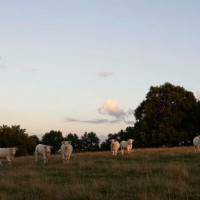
point(145, 174)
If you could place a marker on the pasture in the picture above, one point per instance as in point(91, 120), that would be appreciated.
point(145, 174)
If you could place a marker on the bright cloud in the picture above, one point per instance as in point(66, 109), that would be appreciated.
point(198, 95)
point(105, 74)
point(110, 107)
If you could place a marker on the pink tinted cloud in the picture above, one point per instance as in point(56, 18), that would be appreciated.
point(110, 107)
point(26, 69)
point(105, 74)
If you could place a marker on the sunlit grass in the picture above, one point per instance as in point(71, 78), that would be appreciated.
point(158, 173)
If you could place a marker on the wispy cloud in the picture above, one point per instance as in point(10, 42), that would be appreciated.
point(105, 74)
point(2, 66)
point(95, 121)
point(198, 95)
point(26, 69)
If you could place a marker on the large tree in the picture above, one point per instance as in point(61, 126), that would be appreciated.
point(53, 138)
point(165, 116)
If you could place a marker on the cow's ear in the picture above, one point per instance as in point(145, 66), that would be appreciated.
point(62, 142)
point(51, 147)
point(16, 148)
point(69, 142)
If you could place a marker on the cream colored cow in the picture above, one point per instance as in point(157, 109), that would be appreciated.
point(126, 145)
point(66, 151)
point(8, 154)
point(114, 146)
point(196, 142)
point(44, 150)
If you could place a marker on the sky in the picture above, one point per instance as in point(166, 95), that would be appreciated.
point(85, 66)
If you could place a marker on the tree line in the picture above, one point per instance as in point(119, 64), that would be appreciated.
point(169, 116)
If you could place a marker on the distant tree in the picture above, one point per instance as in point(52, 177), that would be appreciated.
point(165, 116)
point(75, 141)
point(53, 138)
point(33, 140)
point(89, 142)
point(14, 136)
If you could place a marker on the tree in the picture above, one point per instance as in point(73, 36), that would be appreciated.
point(14, 136)
point(89, 142)
point(33, 140)
point(53, 138)
point(164, 117)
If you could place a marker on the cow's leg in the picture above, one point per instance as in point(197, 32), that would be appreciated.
point(9, 160)
point(45, 159)
point(36, 156)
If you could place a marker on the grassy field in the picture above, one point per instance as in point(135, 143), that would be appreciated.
point(160, 173)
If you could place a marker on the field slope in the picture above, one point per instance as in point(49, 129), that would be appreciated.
point(160, 173)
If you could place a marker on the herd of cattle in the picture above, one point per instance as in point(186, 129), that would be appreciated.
point(66, 150)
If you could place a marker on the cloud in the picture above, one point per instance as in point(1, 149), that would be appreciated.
point(198, 95)
point(0, 57)
point(2, 66)
point(25, 69)
point(111, 108)
point(95, 121)
point(105, 74)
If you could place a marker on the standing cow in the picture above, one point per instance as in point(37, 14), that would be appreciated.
point(44, 150)
point(66, 151)
point(114, 146)
point(8, 154)
point(126, 145)
point(196, 142)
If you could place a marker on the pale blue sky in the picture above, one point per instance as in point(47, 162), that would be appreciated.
point(79, 66)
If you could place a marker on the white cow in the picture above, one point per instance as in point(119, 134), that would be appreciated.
point(8, 154)
point(196, 142)
point(114, 146)
point(66, 151)
point(44, 150)
point(126, 145)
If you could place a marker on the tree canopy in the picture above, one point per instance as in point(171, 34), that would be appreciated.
point(165, 116)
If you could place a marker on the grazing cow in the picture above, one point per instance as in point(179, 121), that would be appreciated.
point(196, 142)
point(114, 146)
point(66, 151)
point(8, 154)
point(44, 150)
point(126, 145)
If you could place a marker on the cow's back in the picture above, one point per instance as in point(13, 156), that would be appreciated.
point(196, 141)
point(123, 144)
point(39, 148)
point(3, 152)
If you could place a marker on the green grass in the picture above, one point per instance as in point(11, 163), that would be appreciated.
point(145, 174)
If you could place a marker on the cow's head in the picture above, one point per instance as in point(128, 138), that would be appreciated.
point(48, 149)
point(13, 150)
point(66, 142)
point(112, 140)
point(130, 141)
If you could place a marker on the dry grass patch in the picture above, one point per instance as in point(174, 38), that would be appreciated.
point(153, 174)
